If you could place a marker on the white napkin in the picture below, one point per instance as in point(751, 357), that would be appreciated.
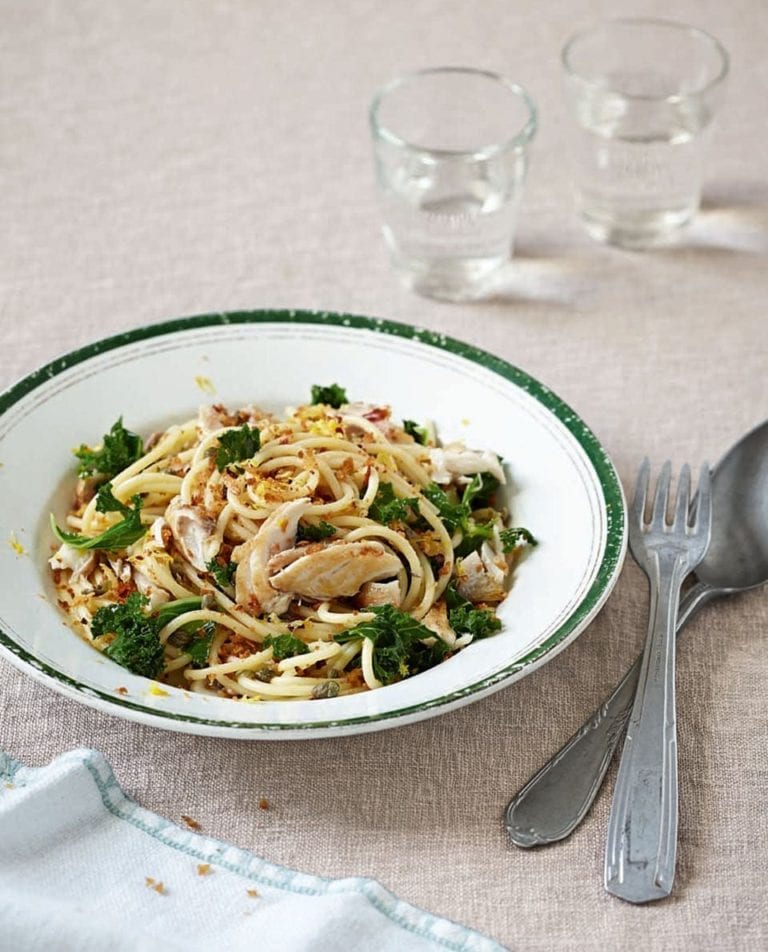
point(84, 868)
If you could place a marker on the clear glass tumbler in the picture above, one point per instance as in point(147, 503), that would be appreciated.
point(451, 151)
point(642, 94)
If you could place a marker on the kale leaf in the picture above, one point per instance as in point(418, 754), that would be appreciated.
point(315, 532)
point(199, 648)
point(459, 515)
point(419, 433)
point(479, 491)
point(511, 538)
point(387, 507)
point(119, 536)
point(465, 619)
point(398, 648)
point(136, 645)
point(332, 396)
point(453, 514)
point(222, 572)
point(284, 646)
point(119, 448)
point(106, 501)
point(473, 535)
point(171, 610)
point(236, 445)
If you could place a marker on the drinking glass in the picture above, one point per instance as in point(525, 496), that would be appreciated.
point(451, 152)
point(642, 95)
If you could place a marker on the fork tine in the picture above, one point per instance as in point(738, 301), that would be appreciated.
point(658, 517)
point(641, 492)
point(683, 502)
point(703, 511)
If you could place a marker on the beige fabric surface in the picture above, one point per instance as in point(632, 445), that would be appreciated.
point(173, 157)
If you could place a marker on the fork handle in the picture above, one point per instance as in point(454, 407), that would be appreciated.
point(557, 798)
point(642, 829)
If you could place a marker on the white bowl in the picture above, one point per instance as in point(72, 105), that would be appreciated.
point(565, 490)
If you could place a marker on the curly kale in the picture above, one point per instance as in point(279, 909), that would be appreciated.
point(514, 537)
point(316, 532)
point(222, 572)
point(237, 445)
point(466, 619)
point(332, 396)
point(119, 448)
point(284, 646)
point(387, 507)
point(119, 536)
point(398, 643)
point(137, 645)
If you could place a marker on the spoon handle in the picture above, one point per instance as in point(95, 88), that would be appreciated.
point(557, 798)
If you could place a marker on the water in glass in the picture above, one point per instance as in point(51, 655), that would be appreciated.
point(447, 228)
point(450, 146)
point(638, 182)
point(643, 94)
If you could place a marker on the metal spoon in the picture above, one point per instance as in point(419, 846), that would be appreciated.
point(556, 799)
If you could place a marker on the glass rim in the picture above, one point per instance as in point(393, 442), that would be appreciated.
point(695, 31)
point(380, 131)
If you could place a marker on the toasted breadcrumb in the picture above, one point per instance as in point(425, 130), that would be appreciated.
point(158, 887)
point(235, 646)
point(253, 893)
point(355, 678)
point(192, 824)
point(121, 690)
point(263, 803)
point(9, 786)
point(203, 869)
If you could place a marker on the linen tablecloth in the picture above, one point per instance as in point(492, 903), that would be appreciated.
point(161, 158)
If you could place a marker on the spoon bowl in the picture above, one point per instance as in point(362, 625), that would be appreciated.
point(737, 558)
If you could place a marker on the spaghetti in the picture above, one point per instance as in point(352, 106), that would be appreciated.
point(317, 555)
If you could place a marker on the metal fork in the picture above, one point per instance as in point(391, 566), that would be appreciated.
point(642, 830)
